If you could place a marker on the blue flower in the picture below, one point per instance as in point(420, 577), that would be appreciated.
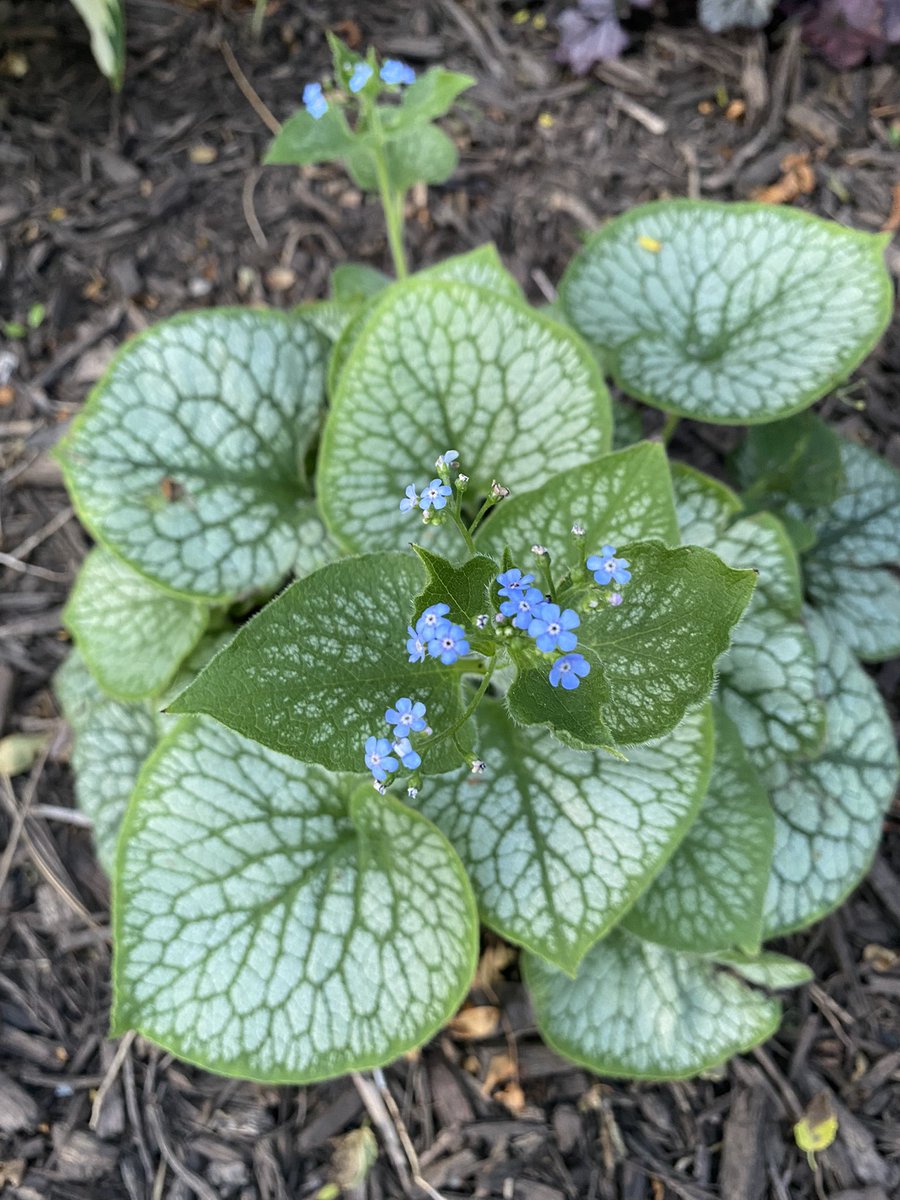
point(449, 644)
point(448, 458)
point(569, 671)
point(407, 717)
point(513, 581)
point(435, 495)
point(552, 629)
point(410, 500)
point(524, 609)
point(395, 71)
point(431, 620)
point(415, 645)
point(362, 73)
point(314, 102)
point(607, 567)
point(406, 754)
point(378, 758)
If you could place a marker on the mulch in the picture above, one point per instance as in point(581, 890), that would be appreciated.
point(117, 210)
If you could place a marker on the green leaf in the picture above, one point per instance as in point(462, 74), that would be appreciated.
point(443, 364)
point(659, 648)
point(768, 678)
point(558, 843)
point(710, 895)
point(315, 545)
point(622, 497)
point(481, 267)
point(829, 812)
point(464, 588)
point(312, 674)
point(628, 427)
point(861, 606)
point(428, 157)
point(768, 685)
point(735, 313)
point(279, 923)
point(431, 96)
point(303, 139)
point(105, 20)
point(643, 1011)
point(577, 718)
point(774, 972)
point(354, 283)
point(111, 741)
point(187, 459)
point(796, 459)
point(132, 634)
point(857, 539)
point(329, 317)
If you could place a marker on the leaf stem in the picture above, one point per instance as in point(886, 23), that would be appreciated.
point(670, 424)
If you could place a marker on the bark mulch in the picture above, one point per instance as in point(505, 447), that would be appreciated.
point(115, 211)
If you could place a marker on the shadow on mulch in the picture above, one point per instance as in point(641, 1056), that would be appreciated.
point(115, 211)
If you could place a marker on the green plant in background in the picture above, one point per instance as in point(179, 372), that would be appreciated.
point(545, 679)
point(105, 20)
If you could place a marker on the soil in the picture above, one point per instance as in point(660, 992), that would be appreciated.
point(117, 210)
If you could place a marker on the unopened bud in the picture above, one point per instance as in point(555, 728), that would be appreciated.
point(578, 529)
point(379, 787)
point(615, 599)
point(539, 550)
point(478, 767)
point(498, 491)
point(412, 792)
point(481, 622)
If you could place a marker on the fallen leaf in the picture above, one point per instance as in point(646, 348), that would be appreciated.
point(880, 958)
point(798, 179)
point(494, 961)
point(476, 1021)
point(501, 1069)
point(512, 1097)
point(354, 1156)
point(817, 1128)
point(19, 751)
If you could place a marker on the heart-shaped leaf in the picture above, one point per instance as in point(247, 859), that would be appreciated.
point(187, 460)
point(829, 812)
point(279, 923)
point(735, 313)
point(312, 674)
point(133, 634)
point(557, 842)
point(641, 1010)
point(442, 364)
point(710, 894)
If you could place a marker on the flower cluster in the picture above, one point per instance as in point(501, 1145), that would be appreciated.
point(436, 636)
point(608, 569)
point(551, 626)
point(394, 73)
point(384, 756)
point(433, 497)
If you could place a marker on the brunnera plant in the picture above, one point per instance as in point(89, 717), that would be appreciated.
point(395, 626)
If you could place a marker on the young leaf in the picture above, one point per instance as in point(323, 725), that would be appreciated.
point(105, 20)
point(431, 96)
point(857, 538)
point(444, 364)
point(775, 972)
point(640, 1010)
point(312, 674)
point(710, 894)
point(659, 648)
point(622, 497)
point(464, 588)
point(278, 923)
point(187, 459)
point(829, 812)
point(558, 843)
point(428, 157)
point(132, 634)
point(303, 139)
point(796, 459)
point(354, 283)
point(111, 741)
point(734, 313)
